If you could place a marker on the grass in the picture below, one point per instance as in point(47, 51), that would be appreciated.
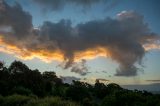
point(19, 100)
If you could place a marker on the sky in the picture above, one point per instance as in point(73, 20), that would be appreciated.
point(111, 40)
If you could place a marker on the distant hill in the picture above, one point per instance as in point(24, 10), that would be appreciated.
point(154, 88)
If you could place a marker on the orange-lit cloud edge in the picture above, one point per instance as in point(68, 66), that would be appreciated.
point(48, 56)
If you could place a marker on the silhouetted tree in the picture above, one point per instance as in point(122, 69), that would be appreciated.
point(18, 67)
point(19, 79)
point(100, 89)
point(78, 91)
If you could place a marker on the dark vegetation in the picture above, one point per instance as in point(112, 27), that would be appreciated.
point(21, 86)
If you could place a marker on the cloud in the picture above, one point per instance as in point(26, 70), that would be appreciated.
point(93, 80)
point(153, 45)
point(104, 71)
point(77, 67)
point(80, 68)
point(56, 5)
point(59, 4)
point(153, 80)
point(17, 21)
point(123, 39)
point(102, 80)
point(69, 79)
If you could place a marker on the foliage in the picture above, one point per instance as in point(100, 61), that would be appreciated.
point(14, 100)
point(19, 100)
point(21, 86)
point(50, 101)
point(21, 91)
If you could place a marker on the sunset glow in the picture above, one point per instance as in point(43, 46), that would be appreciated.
point(111, 40)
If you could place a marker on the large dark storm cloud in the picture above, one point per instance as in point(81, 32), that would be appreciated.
point(123, 37)
point(20, 21)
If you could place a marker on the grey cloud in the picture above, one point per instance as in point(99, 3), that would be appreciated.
point(69, 79)
point(14, 17)
point(101, 79)
point(123, 37)
point(51, 4)
point(55, 5)
point(80, 68)
point(104, 71)
point(125, 70)
point(153, 80)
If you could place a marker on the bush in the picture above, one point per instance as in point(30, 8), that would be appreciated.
point(50, 101)
point(14, 100)
point(19, 100)
point(109, 101)
point(21, 90)
point(1, 100)
point(88, 102)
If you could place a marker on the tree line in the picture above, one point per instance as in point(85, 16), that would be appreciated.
point(32, 86)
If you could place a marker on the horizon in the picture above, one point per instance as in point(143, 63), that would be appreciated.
point(114, 41)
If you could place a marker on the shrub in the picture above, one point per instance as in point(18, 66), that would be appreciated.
point(15, 100)
point(50, 101)
point(109, 101)
point(21, 90)
point(1, 100)
point(19, 100)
